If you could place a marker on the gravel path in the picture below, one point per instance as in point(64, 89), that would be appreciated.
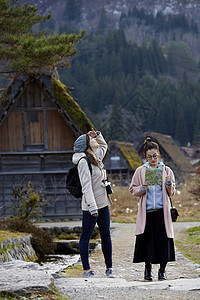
point(183, 276)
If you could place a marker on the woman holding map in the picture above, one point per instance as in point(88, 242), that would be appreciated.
point(153, 182)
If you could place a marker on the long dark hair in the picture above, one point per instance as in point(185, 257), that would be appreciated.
point(150, 144)
point(90, 157)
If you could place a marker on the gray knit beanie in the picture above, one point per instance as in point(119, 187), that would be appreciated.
point(80, 144)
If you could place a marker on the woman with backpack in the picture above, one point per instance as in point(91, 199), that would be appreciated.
point(90, 150)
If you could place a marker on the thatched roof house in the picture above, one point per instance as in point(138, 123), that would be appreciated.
point(193, 154)
point(39, 122)
point(121, 162)
point(170, 153)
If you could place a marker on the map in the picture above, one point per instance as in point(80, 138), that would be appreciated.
point(153, 176)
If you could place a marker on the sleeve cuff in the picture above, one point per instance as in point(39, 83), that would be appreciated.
point(168, 183)
point(142, 189)
point(94, 212)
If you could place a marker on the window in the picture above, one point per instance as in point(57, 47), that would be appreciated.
point(115, 162)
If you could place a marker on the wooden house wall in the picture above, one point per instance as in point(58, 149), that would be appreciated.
point(59, 135)
point(34, 123)
point(11, 133)
point(60, 203)
point(120, 172)
point(36, 145)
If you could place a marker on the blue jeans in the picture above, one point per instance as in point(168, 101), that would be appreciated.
point(88, 224)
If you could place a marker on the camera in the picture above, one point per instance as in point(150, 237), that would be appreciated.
point(108, 187)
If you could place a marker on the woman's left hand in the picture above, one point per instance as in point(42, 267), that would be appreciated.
point(95, 215)
point(168, 178)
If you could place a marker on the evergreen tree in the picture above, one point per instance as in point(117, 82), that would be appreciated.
point(106, 92)
point(196, 140)
point(194, 26)
point(120, 40)
point(102, 22)
point(110, 41)
point(24, 50)
point(160, 20)
point(48, 25)
point(104, 71)
point(73, 10)
point(117, 130)
point(181, 133)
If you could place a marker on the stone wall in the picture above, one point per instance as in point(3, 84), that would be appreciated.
point(17, 248)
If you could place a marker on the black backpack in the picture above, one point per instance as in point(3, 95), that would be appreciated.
point(73, 183)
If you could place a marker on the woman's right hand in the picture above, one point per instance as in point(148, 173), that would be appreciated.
point(92, 133)
point(145, 187)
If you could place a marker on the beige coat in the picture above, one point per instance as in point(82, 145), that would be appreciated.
point(94, 195)
point(138, 180)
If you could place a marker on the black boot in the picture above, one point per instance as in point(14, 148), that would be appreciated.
point(161, 274)
point(161, 271)
point(147, 272)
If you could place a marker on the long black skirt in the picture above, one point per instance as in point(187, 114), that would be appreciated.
point(153, 246)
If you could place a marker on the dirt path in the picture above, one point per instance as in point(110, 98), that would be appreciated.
point(123, 245)
point(183, 276)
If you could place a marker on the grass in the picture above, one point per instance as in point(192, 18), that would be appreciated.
point(5, 234)
point(124, 205)
point(187, 201)
point(76, 271)
point(189, 244)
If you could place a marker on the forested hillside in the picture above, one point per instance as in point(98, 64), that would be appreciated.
point(137, 69)
point(127, 89)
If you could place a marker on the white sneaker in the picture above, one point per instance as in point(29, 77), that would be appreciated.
point(89, 274)
point(109, 273)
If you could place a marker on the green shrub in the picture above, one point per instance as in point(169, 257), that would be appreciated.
point(26, 203)
point(41, 240)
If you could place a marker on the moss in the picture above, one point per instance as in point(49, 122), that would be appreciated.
point(130, 154)
point(73, 244)
point(8, 295)
point(52, 294)
point(33, 258)
point(70, 236)
point(72, 108)
point(73, 271)
point(5, 249)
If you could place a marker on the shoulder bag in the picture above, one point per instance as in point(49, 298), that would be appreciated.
point(174, 212)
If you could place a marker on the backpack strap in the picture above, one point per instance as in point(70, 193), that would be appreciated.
point(89, 163)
